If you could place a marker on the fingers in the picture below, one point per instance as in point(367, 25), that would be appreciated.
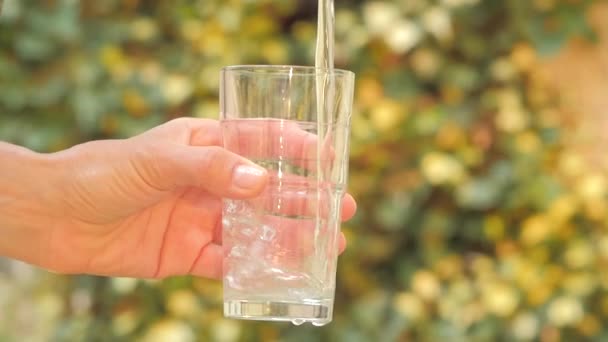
point(254, 138)
point(263, 138)
point(292, 195)
point(274, 140)
point(189, 131)
point(279, 137)
point(278, 145)
point(292, 207)
point(211, 168)
point(341, 243)
point(349, 207)
point(251, 138)
point(186, 241)
point(195, 159)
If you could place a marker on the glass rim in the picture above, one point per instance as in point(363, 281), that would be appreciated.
point(286, 70)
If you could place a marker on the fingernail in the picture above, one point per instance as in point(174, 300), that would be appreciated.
point(248, 177)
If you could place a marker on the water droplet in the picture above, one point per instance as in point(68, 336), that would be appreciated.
point(268, 233)
point(231, 207)
point(319, 323)
point(297, 321)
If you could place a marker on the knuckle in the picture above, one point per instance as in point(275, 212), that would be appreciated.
point(215, 155)
point(147, 164)
point(218, 163)
point(187, 122)
point(179, 121)
point(179, 124)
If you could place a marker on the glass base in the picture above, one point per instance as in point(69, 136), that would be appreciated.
point(317, 312)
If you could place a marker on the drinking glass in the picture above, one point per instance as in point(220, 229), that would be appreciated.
point(281, 247)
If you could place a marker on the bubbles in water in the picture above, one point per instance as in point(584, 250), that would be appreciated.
point(237, 251)
point(231, 207)
point(297, 321)
point(247, 232)
point(268, 233)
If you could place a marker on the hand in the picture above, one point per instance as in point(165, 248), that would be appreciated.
point(149, 206)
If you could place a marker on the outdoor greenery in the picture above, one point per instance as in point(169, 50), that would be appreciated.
point(477, 220)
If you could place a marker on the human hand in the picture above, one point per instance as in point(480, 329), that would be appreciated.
point(149, 206)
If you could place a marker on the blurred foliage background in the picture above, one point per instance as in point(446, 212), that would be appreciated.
point(478, 159)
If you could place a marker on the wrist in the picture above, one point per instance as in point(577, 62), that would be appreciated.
point(25, 220)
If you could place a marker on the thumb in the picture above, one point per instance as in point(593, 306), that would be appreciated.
point(211, 168)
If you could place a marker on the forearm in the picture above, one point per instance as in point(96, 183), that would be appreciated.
point(25, 224)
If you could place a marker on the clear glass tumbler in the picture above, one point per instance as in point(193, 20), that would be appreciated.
point(281, 248)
